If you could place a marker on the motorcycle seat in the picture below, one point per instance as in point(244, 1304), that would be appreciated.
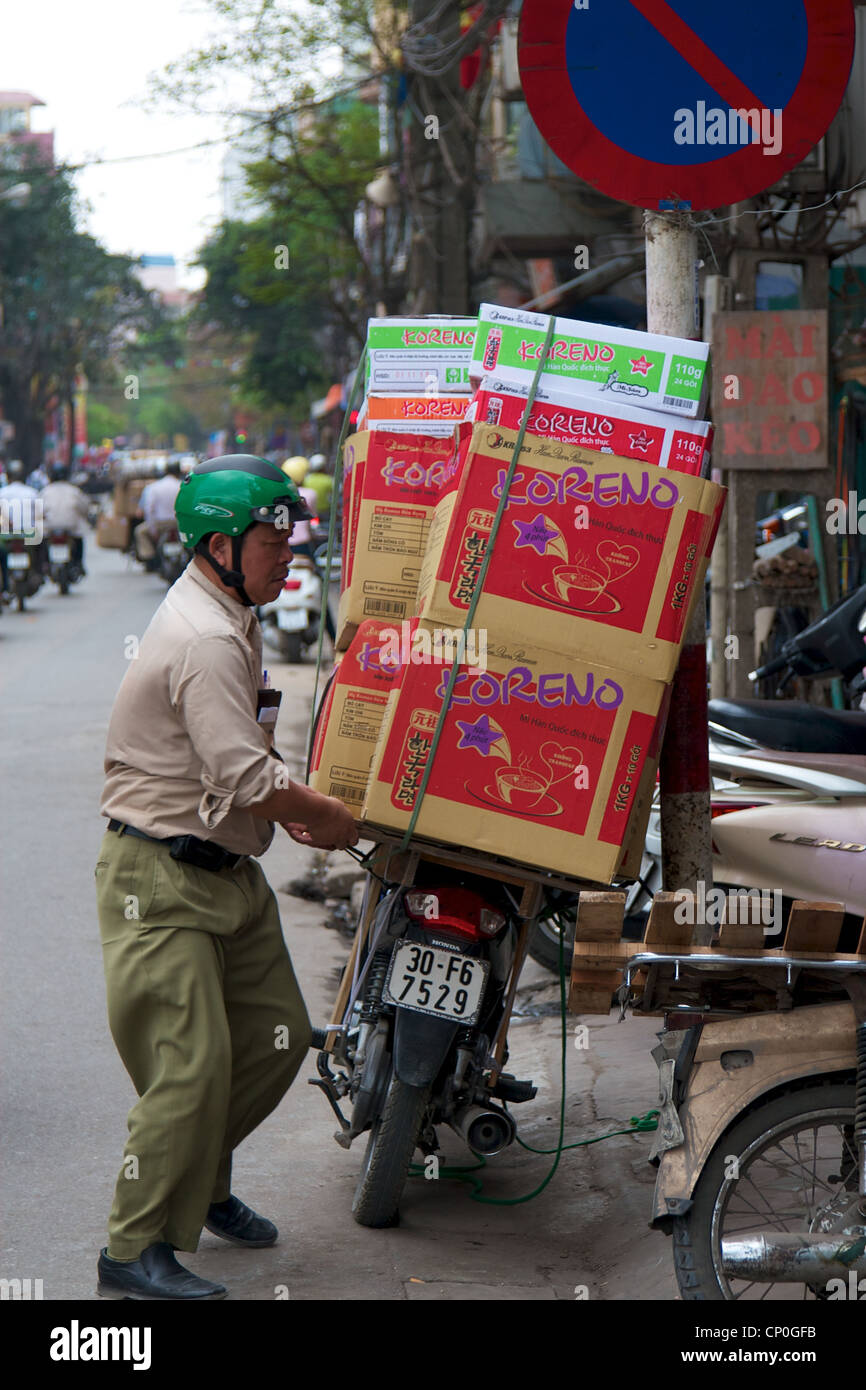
point(793, 725)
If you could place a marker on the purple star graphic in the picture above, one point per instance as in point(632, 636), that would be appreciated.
point(534, 533)
point(479, 735)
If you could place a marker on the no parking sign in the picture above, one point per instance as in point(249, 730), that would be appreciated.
point(689, 103)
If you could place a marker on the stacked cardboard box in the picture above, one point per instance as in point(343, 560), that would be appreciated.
point(598, 423)
point(414, 356)
point(352, 714)
point(645, 369)
point(549, 748)
point(544, 759)
point(394, 488)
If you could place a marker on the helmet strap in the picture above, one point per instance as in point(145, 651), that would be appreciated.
point(232, 578)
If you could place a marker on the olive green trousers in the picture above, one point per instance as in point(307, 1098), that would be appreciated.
point(208, 1019)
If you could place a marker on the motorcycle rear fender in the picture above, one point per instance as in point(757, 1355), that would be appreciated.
point(421, 1045)
point(816, 1040)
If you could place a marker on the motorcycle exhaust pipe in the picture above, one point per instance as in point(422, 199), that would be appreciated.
point(486, 1130)
point(788, 1258)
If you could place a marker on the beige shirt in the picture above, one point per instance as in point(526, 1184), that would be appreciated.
point(184, 754)
point(64, 508)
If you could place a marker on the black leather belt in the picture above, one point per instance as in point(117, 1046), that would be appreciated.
point(189, 849)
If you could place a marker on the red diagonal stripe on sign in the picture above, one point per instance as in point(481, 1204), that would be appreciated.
point(692, 48)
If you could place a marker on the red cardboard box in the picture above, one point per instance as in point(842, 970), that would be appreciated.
point(395, 486)
point(596, 423)
point(352, 714)
point(543, 759)
point(595, 555)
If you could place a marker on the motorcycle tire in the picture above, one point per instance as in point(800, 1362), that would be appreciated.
point(797, 1107)
point(291, 647)
point(390, 1146)
point(63, 582)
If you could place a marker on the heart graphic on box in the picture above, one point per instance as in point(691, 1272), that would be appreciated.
point(619, 560)
point(561, 760)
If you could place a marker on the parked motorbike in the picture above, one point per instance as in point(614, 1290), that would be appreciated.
point(62, 569)
point(290, 622)
point(761, 1144)
point(422, 1039)
point(25, 575)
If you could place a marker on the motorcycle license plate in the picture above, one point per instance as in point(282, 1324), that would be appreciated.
point(434, 981)
point(291, 619)
point(58, 554)
point(19, 561)
point(172, 548)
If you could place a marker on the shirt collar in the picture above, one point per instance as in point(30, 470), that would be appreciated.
point(244, 617)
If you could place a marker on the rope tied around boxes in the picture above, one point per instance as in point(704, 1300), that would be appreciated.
point(476, 594)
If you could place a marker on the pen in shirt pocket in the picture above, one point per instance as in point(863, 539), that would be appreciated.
point(266, 684)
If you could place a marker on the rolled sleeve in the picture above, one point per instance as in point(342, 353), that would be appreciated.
point(211, 690)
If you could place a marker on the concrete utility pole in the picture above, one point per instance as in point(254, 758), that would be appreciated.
point(672, 307)
point(440, 169)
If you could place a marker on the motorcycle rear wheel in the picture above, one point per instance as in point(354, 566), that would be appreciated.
point(799, 1111)
point(392, 1142)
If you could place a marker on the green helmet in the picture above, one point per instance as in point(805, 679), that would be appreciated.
point(232, 493)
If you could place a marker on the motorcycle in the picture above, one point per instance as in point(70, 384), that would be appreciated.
point(25, 575)
point(761, 1146)
point(172, 557)
point(422, 1037)
point(62, 569)
point(290, 622)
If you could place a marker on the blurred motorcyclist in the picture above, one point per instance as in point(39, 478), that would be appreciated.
point(17, 509)
point(156, 505)
point(66, 508)
point(301, 539)
point(322, 484)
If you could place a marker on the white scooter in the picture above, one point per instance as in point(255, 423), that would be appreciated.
point(290, 622)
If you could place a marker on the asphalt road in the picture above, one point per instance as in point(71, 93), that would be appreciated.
point(65, 1093)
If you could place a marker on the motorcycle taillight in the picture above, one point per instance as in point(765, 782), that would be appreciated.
point(453, 909)
point(292, 584)
point(58, 536)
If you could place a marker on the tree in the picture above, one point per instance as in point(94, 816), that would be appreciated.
point(293, 284)
point(67, 306)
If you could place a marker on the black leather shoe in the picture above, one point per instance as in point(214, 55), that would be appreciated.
point(239, 1225)
point(155, 1274)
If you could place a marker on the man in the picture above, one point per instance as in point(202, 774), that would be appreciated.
point(202, 999)
point(65, 508)
point(156, 505)
point(18, 513)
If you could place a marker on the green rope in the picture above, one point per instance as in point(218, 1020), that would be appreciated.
point(637, 1124)
point(476, 595)
point(332, 531)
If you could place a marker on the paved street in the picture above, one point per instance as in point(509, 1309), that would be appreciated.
point(65, 1093)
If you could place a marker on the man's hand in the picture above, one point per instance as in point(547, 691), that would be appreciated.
point(332, 827)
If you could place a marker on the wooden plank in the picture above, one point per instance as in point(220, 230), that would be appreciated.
point(378, 865)
point(813, 926)
point(600, 916)
point(498, 1050)
point(592, 990)
point(740, 936)
point(664, 932)
point(475, 861)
